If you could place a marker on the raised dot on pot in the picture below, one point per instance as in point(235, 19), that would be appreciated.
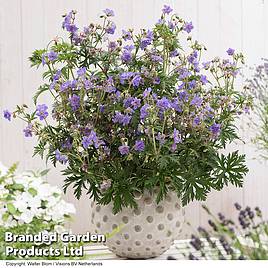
point(150, 219)
point(118, 242)
point(158, 242)
point(98, 208)
point(149, 236)
point(98, 224)
point(126, 236)
point(137, 228)
point(160, 227)
point(114, 226)
point(178, 224)
point(137, 243)
point(137, 211)
point(170, 216)
point(105, 218)
point(125, 219)
point(148, 200)
point(159, 209)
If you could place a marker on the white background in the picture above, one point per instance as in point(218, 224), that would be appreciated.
point(29, 24)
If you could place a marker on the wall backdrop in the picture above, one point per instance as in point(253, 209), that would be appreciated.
point(29, 24)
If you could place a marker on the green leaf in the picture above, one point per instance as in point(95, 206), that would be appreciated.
point(11, 209)
point(32, 191)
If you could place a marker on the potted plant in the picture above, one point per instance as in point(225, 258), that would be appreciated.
point(138, 121)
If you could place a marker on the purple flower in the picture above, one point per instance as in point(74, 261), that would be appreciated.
point(136, 80)
point(74, 102)
point(146, 92)
point(156, 81)
point(61, 158)
point(163, 103)
point(126, 56)
point(188, 27)
point(108, 12)
point(174, 53)
point(206, 64)
point(7, 115)
point(81, 71)
point(139, 146)
point(52, 55)
point(147, 40)
point(110, 28)
point(215, 129)
point(112, 45)
point(176, 136)
point(230, 51)
point(176, 105)
point(125, 76)
point(41, 111)
point(184, 73)
point(161, 138)
point(68, 23)
point(57, 75)
point(203, 79)
point(167, 9)
point(87, 141)
point(67, 144)
point(126, 35)
point(123, 149)
point(65, 85)
point(143, 111)
point(192, 57)
point(156, 58)
point(196, 101)
point(44, 60)
point(135, 103)
point(28, 131)
point(192, 84)
point(126, 119)
point(121, 118)
point(196, 121)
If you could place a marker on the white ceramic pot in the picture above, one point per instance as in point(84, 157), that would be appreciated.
point(145, 232)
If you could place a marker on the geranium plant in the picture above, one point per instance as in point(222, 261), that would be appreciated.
point(137, 112)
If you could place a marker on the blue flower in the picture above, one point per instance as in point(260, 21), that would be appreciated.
point(110, 28)
point(146, 92)
point(139, 146)
point(126, 56)
point(52, 55)
point(28, 131)
point(81, 71)
point(126, 35)
point(230, 51)
point(143, 111)
point(163, 103)
point(136, 80)
point(203, 79)
point(215, 129)
point(41, 111)
point(74, 102)
point(61, 158)
point(7, 115)
point(196, 101)
point(167, 9)
point(188, 27)
point(108, 12)
point(123, 149)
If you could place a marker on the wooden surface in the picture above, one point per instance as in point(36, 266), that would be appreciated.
point(220, 24)
point(179, 250)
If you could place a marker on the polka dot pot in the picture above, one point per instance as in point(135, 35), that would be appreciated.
point(141, 233)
